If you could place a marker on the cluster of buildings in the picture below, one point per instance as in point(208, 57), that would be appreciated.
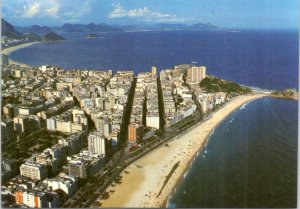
point(75, 102)
point(56, 170)
point(207, 100)
point(104, 96)
point(70, 102)
point(144, 119)
point(29, 98)
point(181, 91)
point(178, 101)
point(6, 41)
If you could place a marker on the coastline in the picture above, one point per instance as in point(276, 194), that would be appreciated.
point(9, 50)
point(146, 176)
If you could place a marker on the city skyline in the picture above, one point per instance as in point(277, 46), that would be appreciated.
point(278, 14)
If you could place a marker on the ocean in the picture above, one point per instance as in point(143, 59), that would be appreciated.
point(250, 161)
point(251, 158)
point(264, 59)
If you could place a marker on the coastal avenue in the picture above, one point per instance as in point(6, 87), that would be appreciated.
point(124, 159)
point(127, 159)
point(184, 146)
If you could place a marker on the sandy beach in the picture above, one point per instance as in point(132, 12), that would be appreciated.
point(9, 50)
point(139, 187)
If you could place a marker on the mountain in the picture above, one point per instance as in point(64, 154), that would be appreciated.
point(92, 27)
point(52, 37)
point(34, 29)
point(8, 30)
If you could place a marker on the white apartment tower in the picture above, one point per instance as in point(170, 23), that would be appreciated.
point(97, 143)
point(196, 74)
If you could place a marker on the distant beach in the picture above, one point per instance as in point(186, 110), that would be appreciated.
point(144, 178)
point(11, 49)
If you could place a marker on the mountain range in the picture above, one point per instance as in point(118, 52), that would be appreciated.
point(102, 27)
point(32, 33)
point(37, 33)
point(89, 28)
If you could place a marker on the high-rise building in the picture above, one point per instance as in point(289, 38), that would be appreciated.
point(196, 74)
point(33, 170)
point(103, 125)
point(153, 72)
point(85, 164)
point(78, 168)
point(97, 143)
point(135, 133)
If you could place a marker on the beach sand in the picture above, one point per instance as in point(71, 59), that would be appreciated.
point(146, 176)
point(11, 49)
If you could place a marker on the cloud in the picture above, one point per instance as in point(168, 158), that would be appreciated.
point(53, 12)
point(118, 11)
point(31, 11)
point(47, 9)
point(145, 13)
point(34, 9)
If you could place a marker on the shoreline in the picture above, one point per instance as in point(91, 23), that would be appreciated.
point(9, 50)
point(148, 173)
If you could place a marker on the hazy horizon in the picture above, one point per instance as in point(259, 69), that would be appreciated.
point(236, 14)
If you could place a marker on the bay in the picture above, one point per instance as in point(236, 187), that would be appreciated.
point(265, 59)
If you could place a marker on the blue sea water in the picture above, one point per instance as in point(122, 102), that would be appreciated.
point(265, 59)
point(250, 161)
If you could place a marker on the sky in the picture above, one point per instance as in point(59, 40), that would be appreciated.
point(256, 14)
